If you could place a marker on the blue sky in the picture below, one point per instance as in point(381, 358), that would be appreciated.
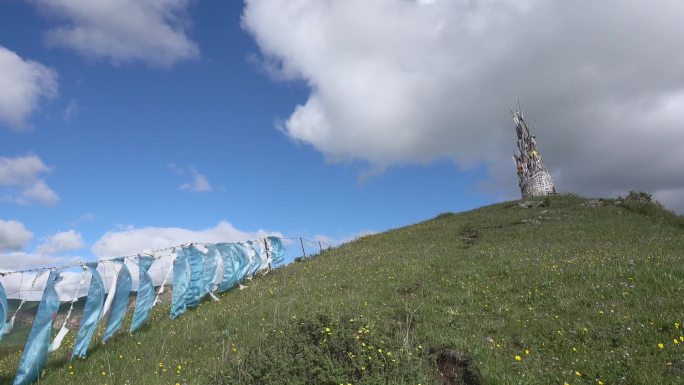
point(135, 133)
point(131, 124)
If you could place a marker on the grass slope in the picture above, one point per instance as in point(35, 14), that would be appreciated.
point(564, 294)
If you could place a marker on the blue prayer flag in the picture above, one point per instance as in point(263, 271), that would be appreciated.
point(120, 302)
point(145, 297)
point(230, 266)
point(254, 260)
point(181, 280)
point(3, 310)
point(210, 267)
point(242, 258)
point(196, 263)
point(276, 250)
point(263, 254)
point(36, 349)
point(92, 312)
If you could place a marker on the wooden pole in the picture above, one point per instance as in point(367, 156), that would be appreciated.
point(320, 247)
point(302, 243)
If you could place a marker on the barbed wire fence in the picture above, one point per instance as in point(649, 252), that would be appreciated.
point(301, 248)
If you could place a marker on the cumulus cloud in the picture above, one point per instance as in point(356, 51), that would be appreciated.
point(136, 240)
point(396, 82)
point(60, 242)
point(23, 83)
point(198, 183)
point(153, 32)
point(39, 191)
point(13, 235)
point(20, 179)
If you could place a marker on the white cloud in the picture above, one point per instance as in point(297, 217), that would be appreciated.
point(13, 238)
point(23, 83)
point(60, 242)
point(397, 82)
point(153, 32)
point(21, 170)
point(136, 240)
point(199, 182)
point(39, 192)
point(20, 179)
point(13, 235)
point(71, 110)
point(19, 260)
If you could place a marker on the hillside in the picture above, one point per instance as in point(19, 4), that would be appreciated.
point(571, 293)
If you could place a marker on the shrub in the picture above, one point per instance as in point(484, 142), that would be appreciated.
point(643, 203)
point(320, 350)
point(638, 197)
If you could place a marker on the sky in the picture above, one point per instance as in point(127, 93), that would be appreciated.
point(130, 125)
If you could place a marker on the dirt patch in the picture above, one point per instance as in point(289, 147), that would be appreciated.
point(469, 235)
point(456, 368)
point(676, 367)
point(527, 205)
point(409, 291)
point(594, 203)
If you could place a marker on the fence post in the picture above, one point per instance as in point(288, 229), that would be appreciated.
point(302, 243)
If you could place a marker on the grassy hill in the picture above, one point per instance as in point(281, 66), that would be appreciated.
point(570, 293)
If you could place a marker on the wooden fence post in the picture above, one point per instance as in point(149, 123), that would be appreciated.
point(302, 243)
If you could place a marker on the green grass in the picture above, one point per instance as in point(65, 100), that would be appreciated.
point(580, 294)
point(14, 341)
